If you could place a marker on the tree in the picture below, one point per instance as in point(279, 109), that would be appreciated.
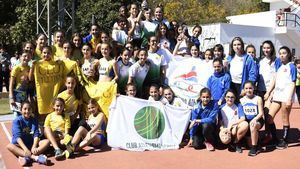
point(8, 18)
point(207, 11)
point(24, 28)
point(104, 11)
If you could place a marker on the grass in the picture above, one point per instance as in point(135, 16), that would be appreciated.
point(4, 106)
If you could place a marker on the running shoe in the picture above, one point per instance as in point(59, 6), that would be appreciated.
point(282, 144)
point(24, 161)
point(42, 159)
point(253, 152)
point(58, 154)
point(238, 148)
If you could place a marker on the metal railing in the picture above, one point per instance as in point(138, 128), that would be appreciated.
point(288, 19)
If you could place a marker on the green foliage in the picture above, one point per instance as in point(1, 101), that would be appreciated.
point(18, 17)
point(190, 11)
point(25, 28)
point(207, 11)
point(7, 11)
point(105, 12)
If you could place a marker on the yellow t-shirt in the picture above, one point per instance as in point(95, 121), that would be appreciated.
point(71, 65)
point(38, 54)
point(19, 71)
point(49, 77)
point(71, 102)
point(57, 122)
point(57, 51)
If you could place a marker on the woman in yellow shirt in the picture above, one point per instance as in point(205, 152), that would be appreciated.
point(57, 125)
point(19, 84)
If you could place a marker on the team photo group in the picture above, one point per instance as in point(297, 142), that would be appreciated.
point(146, 85)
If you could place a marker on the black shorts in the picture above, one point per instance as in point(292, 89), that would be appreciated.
point(261, 121)
point(84, 124)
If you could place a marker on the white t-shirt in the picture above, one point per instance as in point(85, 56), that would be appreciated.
point(119, 36)
point(266, 74)
point(236, 69)
point(14, 62)
point(207, 71)
point(229, 115)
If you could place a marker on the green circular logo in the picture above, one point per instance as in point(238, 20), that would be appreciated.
point(149, 122)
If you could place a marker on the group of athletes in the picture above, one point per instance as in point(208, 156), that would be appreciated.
point(244, 92)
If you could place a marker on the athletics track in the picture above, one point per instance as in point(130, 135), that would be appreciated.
point(184, 158)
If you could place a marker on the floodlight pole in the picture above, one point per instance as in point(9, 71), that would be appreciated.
point(45, 18)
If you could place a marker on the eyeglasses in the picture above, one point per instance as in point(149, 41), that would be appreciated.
point(230, 97)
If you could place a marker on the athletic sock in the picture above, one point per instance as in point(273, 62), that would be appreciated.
point(272, 128)
point(286, 130)
point(267, 125)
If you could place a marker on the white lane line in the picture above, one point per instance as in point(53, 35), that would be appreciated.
point(6, 131)
point(9, 137)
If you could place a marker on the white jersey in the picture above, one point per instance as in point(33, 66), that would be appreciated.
point(86, 66)
point(285, 77)
point(123, 73)
point(139, 73)
point(148, 26)
point(229, 114)
point(105, 68)
point(157, 60)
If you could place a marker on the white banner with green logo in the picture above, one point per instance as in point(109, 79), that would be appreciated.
point(137, 125)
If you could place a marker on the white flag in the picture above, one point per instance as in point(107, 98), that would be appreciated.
point(187, 76)
point(137, 125)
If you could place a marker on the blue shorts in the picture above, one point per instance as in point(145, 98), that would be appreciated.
point(103, 140)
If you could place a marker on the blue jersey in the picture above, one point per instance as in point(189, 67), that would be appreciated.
point(218, 84)
point(249, 107)
point(207, 114)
